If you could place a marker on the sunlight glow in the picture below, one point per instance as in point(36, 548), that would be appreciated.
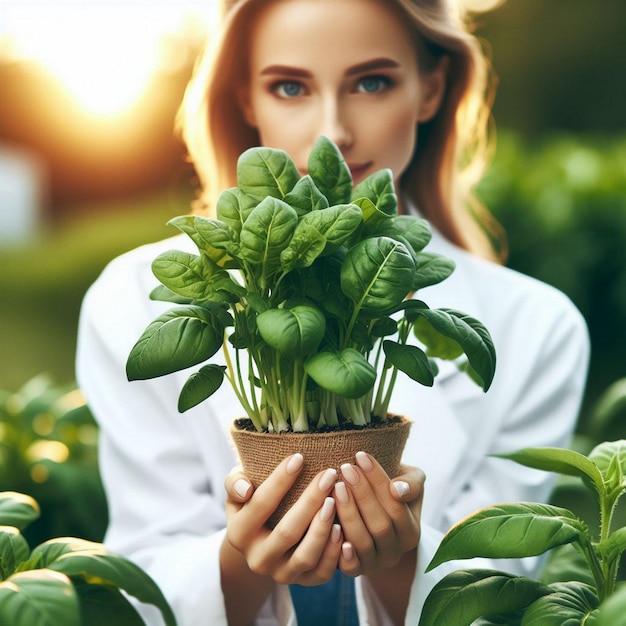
point(103, 53)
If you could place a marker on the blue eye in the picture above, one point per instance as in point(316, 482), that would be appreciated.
point(373, 84)
point(288, 89)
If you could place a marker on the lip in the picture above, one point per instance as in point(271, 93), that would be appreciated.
point(358, 170)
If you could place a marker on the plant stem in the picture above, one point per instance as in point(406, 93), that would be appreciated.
point(239, 390)
point(609, 569)
point(328, 408)
point(595, 565)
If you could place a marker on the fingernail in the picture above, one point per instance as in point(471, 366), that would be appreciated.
point(328, 509)
point(241, 487)
point(335, 534)
point(328, 479)
point(342, 493)
point(346, 551)
point(295, 463)
point(350, 474)
point(364, 461)
point(401, 488)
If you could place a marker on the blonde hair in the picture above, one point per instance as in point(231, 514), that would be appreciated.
point(452, 150)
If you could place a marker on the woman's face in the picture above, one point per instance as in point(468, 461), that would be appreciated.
point(346, 69)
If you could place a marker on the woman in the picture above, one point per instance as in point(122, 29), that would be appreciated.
point(394, 84)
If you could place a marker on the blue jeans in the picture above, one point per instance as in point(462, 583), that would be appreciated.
point(332, 604)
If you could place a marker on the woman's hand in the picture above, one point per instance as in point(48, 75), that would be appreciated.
point(305, 545)
point(380, 518)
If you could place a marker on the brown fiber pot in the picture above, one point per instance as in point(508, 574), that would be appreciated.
point(260, 453)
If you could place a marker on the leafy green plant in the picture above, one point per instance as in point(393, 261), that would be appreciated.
point(314, 277)
point(48, 449)
point(584, 583)
point(66, 581)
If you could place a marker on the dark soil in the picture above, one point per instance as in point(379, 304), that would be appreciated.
point(244, 423)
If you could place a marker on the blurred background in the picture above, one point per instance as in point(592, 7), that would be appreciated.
point(90, 167)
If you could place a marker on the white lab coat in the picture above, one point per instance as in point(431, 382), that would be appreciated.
point(164, 472)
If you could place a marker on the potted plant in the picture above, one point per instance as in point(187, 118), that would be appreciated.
point(313, 278)
point(66, 581)
point(580, 587)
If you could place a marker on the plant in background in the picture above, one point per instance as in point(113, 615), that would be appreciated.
point(66, 581)
point(48, 449)
point(313, 277)
point(583, 589)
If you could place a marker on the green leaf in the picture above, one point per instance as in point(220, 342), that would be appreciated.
point(233, 207)
point(17, 509)
point(95, 565)
point(569, 604)
point(612, 610)
point(266, 232)
point(192, 276)
point(263, 172)
point(410, 360)
point(176, 340)
point(306, 197)
point(509, 531)
point(559, 460)
point(295, 332)
point(335, 223)
point(464, 596)
point(346, 373)
point(329, 172)
point(200, 386)
point(432, 269)
point(415, 230)
point(105, 605)
point(384, 327)
point(610, 459)
point(41, 598)
point(14, 550)
point(377, 275)
point(322, 287)
point(566, 563)
point(163, 294)
point(380, 189)
point(374, 220)
point(470, 334)
point(437, 345)
point(219, 241)
point(185, 223)
point(306, 245)
point(321, 232)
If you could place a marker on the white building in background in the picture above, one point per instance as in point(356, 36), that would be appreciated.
point(22, 188)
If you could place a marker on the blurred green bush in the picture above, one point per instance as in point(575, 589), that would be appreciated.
point(48, 449)
point(42, 282)
point(563, 204)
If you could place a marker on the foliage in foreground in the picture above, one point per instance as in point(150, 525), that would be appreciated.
point(587, 591)
point(66, 581)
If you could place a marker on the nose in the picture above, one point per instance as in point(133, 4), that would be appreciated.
point(335, 124)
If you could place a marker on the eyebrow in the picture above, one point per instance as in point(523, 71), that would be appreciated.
point(295, 72)
point(374, 64)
